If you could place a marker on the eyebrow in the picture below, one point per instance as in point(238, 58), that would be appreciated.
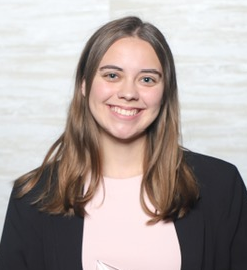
point(150, 70)
point(111, 67)
point(153, 71)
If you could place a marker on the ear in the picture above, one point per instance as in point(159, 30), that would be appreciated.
point(83, 88)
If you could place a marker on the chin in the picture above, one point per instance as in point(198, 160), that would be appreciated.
point(130, 137)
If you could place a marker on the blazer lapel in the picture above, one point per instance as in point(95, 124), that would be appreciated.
point(64, 243)
point(190, 231)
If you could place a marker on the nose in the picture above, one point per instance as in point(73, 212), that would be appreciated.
point(128, 91)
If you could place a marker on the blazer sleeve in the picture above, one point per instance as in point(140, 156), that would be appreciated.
point(230, 228)
point(238, 212)
point(21, 243)
point(223, 205)
point(36, 240)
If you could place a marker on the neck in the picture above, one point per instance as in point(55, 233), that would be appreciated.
point(122, 159)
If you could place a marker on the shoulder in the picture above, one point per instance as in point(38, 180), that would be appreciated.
point(219, 181)
point(22, 206)
point(210, 168)
point(31, 185)
point(214, 176)
point(204, 161)
point(26, 210)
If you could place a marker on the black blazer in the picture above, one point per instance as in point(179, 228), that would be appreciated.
point(213, 236)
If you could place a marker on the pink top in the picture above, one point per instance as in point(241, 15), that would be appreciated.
point(116, 235)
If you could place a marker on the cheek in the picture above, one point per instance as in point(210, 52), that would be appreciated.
point(154, 99)
point(99, 91)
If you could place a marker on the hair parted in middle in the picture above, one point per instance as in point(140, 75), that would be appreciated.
point(167, 179)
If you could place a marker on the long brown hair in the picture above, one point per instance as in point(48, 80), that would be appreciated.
point(167, 179)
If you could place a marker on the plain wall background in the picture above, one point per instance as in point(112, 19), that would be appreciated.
point(40, 43)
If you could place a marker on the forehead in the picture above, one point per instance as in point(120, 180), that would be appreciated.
point(131, 51)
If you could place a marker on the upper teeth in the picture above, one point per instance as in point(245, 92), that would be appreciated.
point(124, 111)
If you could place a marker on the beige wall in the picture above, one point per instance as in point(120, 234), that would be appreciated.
point(40, 42)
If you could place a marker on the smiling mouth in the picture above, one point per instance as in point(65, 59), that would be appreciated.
point(124, 112)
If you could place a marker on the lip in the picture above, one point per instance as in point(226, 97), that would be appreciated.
point(124, 111)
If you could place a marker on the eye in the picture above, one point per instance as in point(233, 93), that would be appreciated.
point(148, 80)
point(111, 76)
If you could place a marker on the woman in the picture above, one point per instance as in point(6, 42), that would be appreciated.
point(117, 190)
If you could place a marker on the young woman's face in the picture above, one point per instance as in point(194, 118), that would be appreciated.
point(127, 89)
